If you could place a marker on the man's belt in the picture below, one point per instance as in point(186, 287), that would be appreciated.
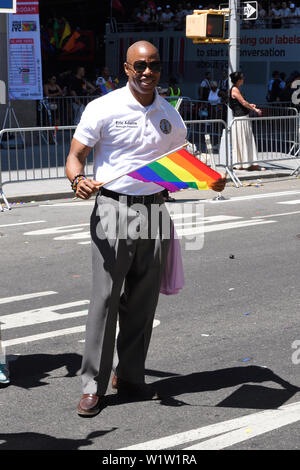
point(130, 200)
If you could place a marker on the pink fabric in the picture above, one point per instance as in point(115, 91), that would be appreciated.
point(173, 277)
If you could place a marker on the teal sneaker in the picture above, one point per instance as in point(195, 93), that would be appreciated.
point(4, 375)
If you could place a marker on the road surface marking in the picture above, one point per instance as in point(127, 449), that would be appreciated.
point(275, 215)
point(41, 336)
point(23, 223)
point(198, 227)
point(57, 230)
point(41, 315)
point(68, 204)
point(74, 236)
point(295, 201)
point(17, 298)
point(242, 428)
point(216, 228)
point(52, 334)
point(155, 324)
point(247, 198)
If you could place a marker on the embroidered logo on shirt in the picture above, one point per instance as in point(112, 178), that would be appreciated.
point(127, 123)
point(165, 126)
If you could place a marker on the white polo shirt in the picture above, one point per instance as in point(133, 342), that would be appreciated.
point(126, 135)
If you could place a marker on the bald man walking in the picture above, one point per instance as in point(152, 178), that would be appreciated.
point(128, 127)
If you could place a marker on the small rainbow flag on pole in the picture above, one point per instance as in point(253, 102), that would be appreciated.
point(177, 170)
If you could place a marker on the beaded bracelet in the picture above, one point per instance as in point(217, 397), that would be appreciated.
point(76, 180)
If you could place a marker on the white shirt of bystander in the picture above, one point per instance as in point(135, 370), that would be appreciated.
point(126, 135)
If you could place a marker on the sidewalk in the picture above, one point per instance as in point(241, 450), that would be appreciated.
point(43, 190)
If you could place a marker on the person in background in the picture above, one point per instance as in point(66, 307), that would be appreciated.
point(223, 82)
point(205, 87)
point(275, 15)
point(214, 99)
point(51, 87)
point(284, 15)
point(54, 107)
point(79, 88)
point(282, 77)
point(244, 150)
point(105, 84)
point(179, 18)
point(261, 17)
point(4, 373)
point(274, 87)
point(294, 16)
point(167, 18)
point(174, 90)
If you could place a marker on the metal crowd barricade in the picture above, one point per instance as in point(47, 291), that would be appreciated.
point(276, 109)
point(195, 110)
point(208, 141)
point(275, 138)
point(40, 154)
point(62, 110)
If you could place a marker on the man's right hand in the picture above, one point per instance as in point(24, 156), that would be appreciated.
point(87, 187)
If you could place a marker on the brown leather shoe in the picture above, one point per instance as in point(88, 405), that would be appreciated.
point(89, 405)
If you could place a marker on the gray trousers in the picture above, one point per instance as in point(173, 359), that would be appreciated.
point(127, 272)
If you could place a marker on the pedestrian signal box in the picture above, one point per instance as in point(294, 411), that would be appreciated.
point(206, 26)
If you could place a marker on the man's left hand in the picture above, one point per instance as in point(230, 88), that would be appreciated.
point(219, 185)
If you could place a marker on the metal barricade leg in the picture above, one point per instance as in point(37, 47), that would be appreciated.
point(296, 171)
point(235, 179)
point(5, 201)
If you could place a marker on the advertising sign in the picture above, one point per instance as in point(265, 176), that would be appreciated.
point(24, 52)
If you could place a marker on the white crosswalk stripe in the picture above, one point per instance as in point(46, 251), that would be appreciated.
point(17, 298)
point(45, 316)
point(186, 224)
point(294, 201)
point(228, 432)
point(42, 315)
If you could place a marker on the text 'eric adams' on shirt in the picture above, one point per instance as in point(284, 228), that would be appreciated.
point(126, 135)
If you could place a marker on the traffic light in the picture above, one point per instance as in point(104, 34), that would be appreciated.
point(215, 26)
point(206, 26)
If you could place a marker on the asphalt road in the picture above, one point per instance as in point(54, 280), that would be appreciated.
point(225, 351)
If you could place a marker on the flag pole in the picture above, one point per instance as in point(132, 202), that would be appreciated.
point(144, 164)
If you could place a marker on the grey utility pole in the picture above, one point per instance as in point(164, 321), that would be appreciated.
point(234, 44)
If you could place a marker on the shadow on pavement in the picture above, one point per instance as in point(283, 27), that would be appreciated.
point(28, 371)
point(247, 396)
point(36, 441)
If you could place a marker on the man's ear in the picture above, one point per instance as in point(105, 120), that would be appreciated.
point(126, 68)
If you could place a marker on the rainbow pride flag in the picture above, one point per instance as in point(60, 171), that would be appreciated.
point(178, 170)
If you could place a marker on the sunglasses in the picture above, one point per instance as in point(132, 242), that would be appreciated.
point(141, 65)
